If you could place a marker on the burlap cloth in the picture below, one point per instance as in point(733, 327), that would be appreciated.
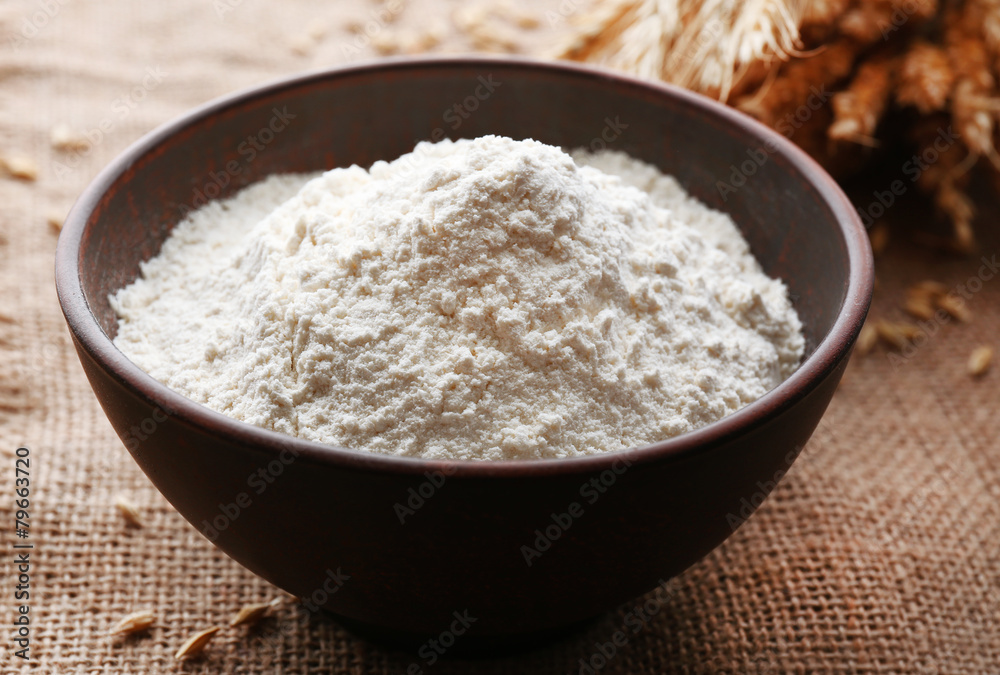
point(880, 551)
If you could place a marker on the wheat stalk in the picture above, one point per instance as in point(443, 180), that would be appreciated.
point(704, 45)
point(939, 57)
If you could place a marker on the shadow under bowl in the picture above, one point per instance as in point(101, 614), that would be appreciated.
point(403, 546)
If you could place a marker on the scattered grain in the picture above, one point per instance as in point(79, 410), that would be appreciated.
point(417, 42)
point(493, 39)
point(21, 167)
point(55, 219)
point(433, 34)
point(196, 644)
point(928, 287)
point(894, 334)
point(518, 16)
point(919, 307)
point(128, 511)
point(980, 360)
point(954, 306)
point(469, 17)
point(64, 138)
point(135, 622)
point(385, 43)
point(485, 35)
point(317, 29)
point(527, 21)
point(303, 45)
point(250, 614)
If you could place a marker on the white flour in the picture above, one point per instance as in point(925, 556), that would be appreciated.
point(486, 299)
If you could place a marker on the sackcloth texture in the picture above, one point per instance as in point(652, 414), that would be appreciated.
point(879, 552)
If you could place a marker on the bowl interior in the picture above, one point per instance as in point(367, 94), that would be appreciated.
point(369, 113)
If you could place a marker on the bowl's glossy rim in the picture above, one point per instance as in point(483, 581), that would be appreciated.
point(834, 347)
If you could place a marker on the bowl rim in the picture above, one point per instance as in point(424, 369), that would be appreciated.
point(828, 354)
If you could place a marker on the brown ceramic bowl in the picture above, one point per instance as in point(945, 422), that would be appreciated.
point(305, 515)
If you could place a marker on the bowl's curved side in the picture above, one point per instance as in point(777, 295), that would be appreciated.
point(520, 554)
point(316, 509)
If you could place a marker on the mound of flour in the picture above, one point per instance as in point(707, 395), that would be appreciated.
point(480, 299)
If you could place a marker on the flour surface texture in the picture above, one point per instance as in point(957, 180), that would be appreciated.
point(480, 299)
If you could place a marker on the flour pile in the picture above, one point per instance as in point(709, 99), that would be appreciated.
point(480, 299)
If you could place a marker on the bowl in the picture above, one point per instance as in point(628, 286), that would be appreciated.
point(494, 552)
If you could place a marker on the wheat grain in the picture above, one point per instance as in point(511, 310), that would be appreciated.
point(196, 644)
point(128, 511)
point(385, 43)
point(894, 334)
point(518, 16)
point(133, 623)
point(491, 38)
point(527, 21)
point(955, 307)
point(431, 36)
point(474, 22)
point(928, 287)
point(21, 167)
point(980, 360)
point(253, 613)
point(64, 138)
point(302, 45)
point(54, 219)
point(919, 307)
point(317, 28)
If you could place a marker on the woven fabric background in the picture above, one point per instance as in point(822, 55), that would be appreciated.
point(880, 551)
